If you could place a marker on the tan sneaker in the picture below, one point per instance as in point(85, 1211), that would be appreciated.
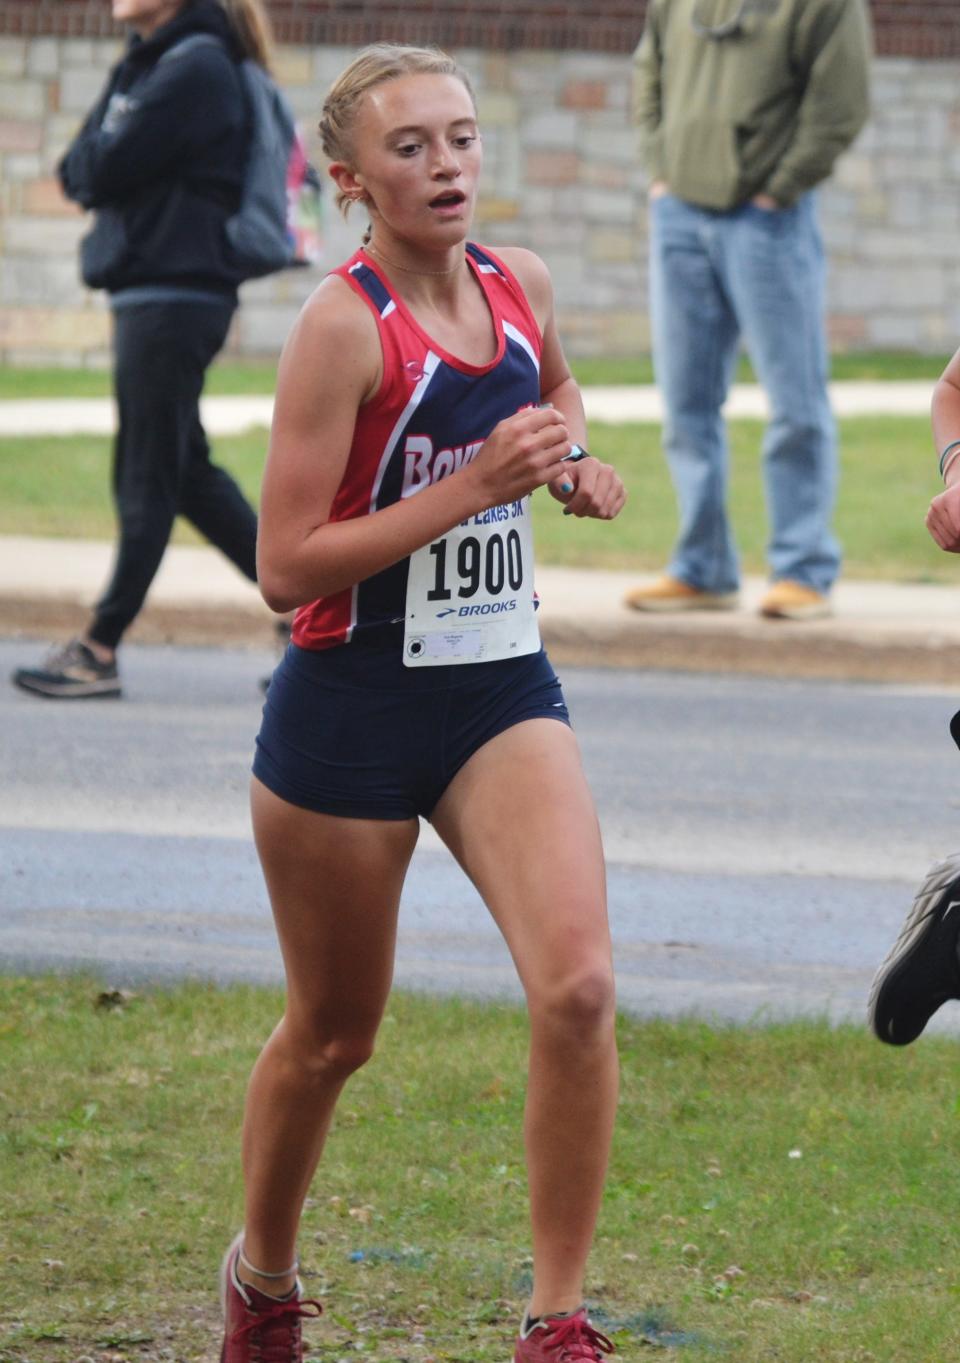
point(670, 594)
point(788, 600)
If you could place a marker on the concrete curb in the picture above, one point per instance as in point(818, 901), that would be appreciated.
point(654, 645)
point(794, 652)
point(880, 632)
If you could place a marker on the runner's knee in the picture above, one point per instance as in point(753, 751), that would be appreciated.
point(327, 1051)
point(578, 1005)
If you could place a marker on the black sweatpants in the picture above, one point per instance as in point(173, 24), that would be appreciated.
point(161, 463)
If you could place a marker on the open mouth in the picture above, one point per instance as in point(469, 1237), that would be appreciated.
point(450, 198)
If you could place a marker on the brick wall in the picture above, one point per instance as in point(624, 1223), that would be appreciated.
point(917, 28)
point(904, 28)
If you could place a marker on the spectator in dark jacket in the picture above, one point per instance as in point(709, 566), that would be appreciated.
point(160, 159)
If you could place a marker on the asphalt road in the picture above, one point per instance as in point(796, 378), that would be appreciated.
point(764, 837)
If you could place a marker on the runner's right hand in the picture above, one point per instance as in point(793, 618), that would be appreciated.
point(520, 454)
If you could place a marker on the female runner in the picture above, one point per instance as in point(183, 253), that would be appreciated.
point(422, 397)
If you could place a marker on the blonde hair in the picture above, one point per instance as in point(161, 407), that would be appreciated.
point(251, 27)
point(373, 66)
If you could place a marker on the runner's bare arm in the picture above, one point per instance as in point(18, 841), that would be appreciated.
point(943, 514)
point(589, 487)
point(330, 366)
point(945, 408)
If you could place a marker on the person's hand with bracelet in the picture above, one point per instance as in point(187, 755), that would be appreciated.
point(943, 514)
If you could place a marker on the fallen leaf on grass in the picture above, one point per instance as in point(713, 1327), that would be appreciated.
point(493, 1091)
point(121, 1338)
point(113, 998)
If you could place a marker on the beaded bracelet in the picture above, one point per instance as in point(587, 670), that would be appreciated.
point(954, 444)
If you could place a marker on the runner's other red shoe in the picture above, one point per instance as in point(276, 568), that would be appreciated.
point(561, 1339)
point(258, 1328)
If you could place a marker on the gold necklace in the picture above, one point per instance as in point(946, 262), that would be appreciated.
point(434, 274)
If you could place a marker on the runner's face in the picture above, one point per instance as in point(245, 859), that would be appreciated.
point(145, 15)
point(418, 157)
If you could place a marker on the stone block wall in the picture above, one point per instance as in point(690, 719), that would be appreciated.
point(560, 171)
point(891, 215)
point(46, 84)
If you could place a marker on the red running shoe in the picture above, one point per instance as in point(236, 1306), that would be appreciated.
point(258, 1328)
point(561, 1339)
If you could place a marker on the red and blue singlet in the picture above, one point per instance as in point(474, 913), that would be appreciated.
point(469, 596)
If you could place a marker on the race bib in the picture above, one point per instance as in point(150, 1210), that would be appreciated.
point(470, 593)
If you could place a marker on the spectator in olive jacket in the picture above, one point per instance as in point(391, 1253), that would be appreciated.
point(743, 107)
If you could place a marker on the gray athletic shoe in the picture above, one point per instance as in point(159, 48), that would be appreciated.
point(70, 673)
point(922, 968)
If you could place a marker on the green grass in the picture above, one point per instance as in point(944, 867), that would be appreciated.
point(877, 365)
point(889, 474)
point(119, 1186)
point(229, 377)
point(60, 487)
point(252, 376)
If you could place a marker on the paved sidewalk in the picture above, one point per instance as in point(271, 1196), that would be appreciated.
point(229, 415)
point(880, 631)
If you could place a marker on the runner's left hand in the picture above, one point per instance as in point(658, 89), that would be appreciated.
point(596, 490)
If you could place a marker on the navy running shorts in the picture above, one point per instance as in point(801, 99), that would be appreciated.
point(350, 731)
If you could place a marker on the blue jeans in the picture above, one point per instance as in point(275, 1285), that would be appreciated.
point(715, 277)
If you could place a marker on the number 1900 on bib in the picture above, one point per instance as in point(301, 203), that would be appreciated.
point(470, 593)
